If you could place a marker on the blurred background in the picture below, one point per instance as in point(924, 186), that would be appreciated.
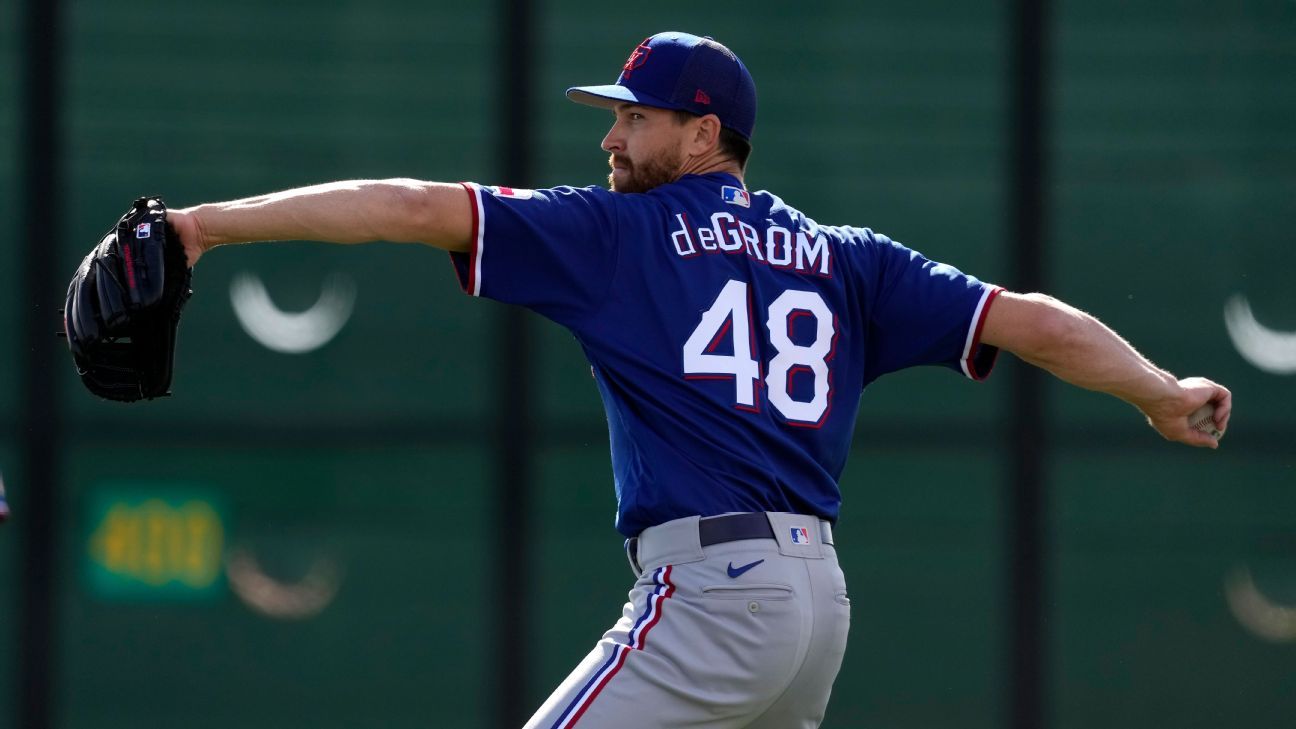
point(376, 502)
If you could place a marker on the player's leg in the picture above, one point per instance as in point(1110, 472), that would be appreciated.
point(738, 632)
point(683, 656)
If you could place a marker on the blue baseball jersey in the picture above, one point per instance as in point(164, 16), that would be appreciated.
point(730, 335)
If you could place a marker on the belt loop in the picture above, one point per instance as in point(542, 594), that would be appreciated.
point(798, 535)
point(632, 554)
point(671, 542)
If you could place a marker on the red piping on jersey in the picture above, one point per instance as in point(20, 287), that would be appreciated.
point(976, 339)
point(470, 285)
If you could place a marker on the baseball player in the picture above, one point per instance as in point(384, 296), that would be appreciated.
point(730, 338)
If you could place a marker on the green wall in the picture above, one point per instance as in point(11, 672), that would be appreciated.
point(1173, 171)
point(10, 321)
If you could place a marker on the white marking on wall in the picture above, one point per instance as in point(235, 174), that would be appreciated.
point(272, 598)
point(1271, 350)
point(1256, 612)
point(292, 332)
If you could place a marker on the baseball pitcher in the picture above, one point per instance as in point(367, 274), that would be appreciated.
point(730, 337)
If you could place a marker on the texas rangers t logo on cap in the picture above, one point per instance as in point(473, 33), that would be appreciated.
point(637, 58)
point(800, 535)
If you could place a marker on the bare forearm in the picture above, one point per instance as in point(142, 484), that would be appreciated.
point(354, 211)
point(1083, 351)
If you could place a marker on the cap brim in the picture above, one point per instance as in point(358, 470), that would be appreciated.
point(607, 97)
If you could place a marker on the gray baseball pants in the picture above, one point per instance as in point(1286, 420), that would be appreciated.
point(747, 633)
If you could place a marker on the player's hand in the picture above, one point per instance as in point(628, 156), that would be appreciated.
point(1169, 416)
point(186, 225)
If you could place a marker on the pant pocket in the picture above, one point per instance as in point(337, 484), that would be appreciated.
point(748, 591)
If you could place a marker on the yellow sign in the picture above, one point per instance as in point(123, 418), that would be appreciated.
point(167, 544)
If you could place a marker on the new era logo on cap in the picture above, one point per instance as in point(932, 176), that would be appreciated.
point(144, 230)
point(800, 535)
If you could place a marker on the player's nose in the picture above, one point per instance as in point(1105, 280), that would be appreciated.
point(613, 141)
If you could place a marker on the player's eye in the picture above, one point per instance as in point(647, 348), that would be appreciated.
point(628, 115)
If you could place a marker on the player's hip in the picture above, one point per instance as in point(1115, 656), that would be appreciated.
point(759, 559)
point(692, 540)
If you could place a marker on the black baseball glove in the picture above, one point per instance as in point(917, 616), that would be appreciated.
point(123, 306)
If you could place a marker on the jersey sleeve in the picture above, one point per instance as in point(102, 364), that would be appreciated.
point(925, 313)
point(553, 251)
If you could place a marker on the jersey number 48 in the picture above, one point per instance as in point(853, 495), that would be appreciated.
point(731, 312)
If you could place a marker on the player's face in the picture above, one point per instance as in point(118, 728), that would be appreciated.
point(646, 147)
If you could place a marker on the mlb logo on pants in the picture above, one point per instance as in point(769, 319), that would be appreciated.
point(800, 535)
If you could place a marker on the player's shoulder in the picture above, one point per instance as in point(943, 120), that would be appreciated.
point(560, 205)
point(851, 236)
point(558, 194)
point(609, 202)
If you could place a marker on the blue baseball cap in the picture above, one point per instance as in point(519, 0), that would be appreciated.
point(681, 71)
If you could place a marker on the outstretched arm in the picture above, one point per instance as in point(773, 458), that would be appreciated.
point(1079, 349)
point(355, 211)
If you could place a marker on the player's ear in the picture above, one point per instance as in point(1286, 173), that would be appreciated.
point(706, 136)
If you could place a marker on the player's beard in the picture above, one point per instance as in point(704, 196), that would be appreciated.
point(646, 174)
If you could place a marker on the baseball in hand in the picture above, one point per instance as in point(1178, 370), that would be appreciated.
point(1203, 419)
